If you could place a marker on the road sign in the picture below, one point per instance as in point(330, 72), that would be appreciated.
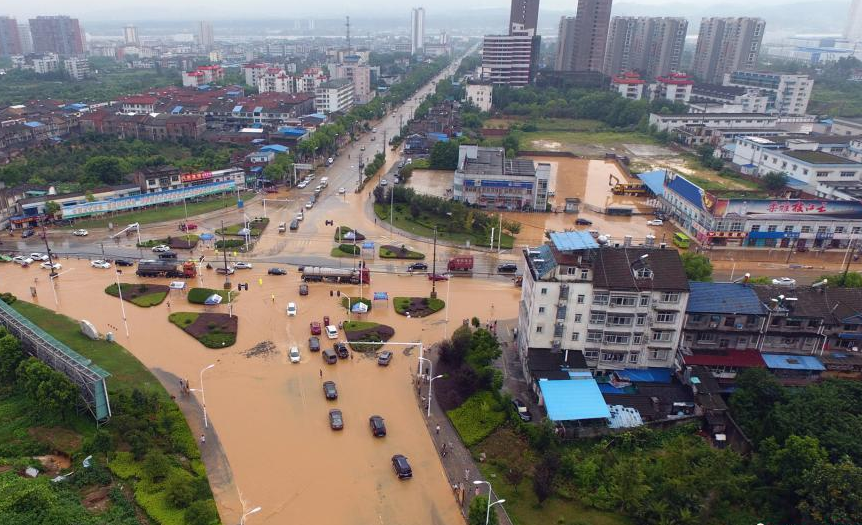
point(303, 166)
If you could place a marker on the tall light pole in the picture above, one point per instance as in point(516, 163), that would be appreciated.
point(430, 381)
point(499, 501)
point(430, 364)
point(249, 513)
point(122, 306)
point(203, 395)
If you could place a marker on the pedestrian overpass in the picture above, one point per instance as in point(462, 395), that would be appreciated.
point(89, 378)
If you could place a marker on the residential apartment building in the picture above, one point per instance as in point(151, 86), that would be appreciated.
point(253, 73)
point(587, 39)
point(48, 63)
point(310, 80)
point(675, 86)
point(204, 35)
point(26, 39)
point(480, 94)
point(786, 94)
point(651, 46)
point(334, 96)
point(276, 81)
point(853, 26)
point(77, 68)
point(725, 45)
point(717, 98)
point(10, 37)
point(524, 13)
point(202, 76)
point(629, 85)
point(565, 44)
point(57, 34)
point(622, 307)
point(486, 178)
point(510, 59)
point(130, 36)
point(417, 30)
point(358, 73)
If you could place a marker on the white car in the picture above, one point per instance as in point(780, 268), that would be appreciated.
point(242, 266)
point(373, 130)
point(162, 248)
point(341, 191)
point(49, 266)
point(331, 332)
point(291, 309)
point(302, 185)
point(99, 263)
point(308, 205)
point(22, 260)
point(38, 256)
point(300, 216)
point(784, 281)
point(384, 182)
point(655, 222)
point(80, 233)
point(294, 354)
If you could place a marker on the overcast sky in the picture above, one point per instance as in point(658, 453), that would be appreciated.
point(129, 10)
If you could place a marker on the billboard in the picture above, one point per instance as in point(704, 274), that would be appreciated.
point(194, 177)
point(787, 209)
point(85, 209)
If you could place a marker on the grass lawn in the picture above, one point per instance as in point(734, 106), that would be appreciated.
point(123, 366)
point(199, 295)
point(417, 306)
point(530, 140)
point(548, 124)
point(179, 241)
point(210, 329)
point(480, 415)
point(399, 252)
point(353, 301)
point(256, 227)
point(345, 250)
point(406, 222)
point(143, 295)
point(341, 231)
point(173, 212)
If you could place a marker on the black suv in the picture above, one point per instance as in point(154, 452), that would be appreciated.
point(341, 350)
point(507, 268)
point(303, 289)
point(402, 468)
point(583, 222)
point(336, 421)
point(378, 427)
point(313, 344)
point(415, 267)
point(123, 262)
point(277, 271)
point(329, 390)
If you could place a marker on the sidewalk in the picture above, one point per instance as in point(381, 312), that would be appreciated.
point(460, 467)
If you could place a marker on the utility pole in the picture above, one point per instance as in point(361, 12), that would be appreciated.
point(850, 249)
point(359, 168)
point(53, 273)
point(227, 285)
point(434, 267)
point(384, 144)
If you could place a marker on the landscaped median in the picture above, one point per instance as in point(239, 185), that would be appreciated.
point(200, 295)
point(180, 242)
point(354, 301)
point(417, 306)
point(143, 295)
point(345, 250)
point(367, 331)
point(212, 330)
point(255, 226)
point(154, 461)
point(346, 233)
point(388, 251)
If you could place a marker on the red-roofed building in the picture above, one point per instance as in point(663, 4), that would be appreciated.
point(203, 75)
point(139, 104)
point(676, 87)
point(629, 84)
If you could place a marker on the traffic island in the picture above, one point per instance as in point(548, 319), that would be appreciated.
point(358, 332)
point(255, 228)
point(143, 295)
point(354, 301)
point(346, 250)
point(180, 242)
point(200, 295)
point(417, 306)
point(210, 329)
point(346, 233)
point(387, 251)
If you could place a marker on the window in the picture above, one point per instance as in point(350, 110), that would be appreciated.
point(637, 339)
point(644, 301)
point(597, 317)
point(591, 354)
point(847, 174)
point(729, 321)
point(806, 229)
point(705, 338)
point(662, 335)
point(839, 229)
point(612, 357)
point(772, 228)
point(658, 354)
point(575, 336)
point(539, 329)
point(622, 300)
point(640, 320)
point(541, 309)
point(577, 318)
point(722, 343)
point(755, 227)
point(594, 336)
point(665, 317)
point(822, 173)
point(617, 339)
point(856, 230)
point(544, 291)
point(670, 297)
point(600, 298)
point(585, 274)
point(788, 229)
point(794, 323)
point(580, 299)
point(643, 273)
point(619, 320)
point(822, 229)
point(634, 357)
point(571, 270)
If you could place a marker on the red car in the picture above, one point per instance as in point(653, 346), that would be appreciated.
point(437, 277)
point(315, 328)
point(325, 320)
point(188, 227)
point(271, 190)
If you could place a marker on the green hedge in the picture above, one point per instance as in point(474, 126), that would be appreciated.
point(386, 253)
point(477, 417)
point(355, 300)
point(230, 244)
point(199, 295)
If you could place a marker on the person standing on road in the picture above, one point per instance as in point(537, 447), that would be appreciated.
point(438, 430)
point(321, 373)
point(203, 439)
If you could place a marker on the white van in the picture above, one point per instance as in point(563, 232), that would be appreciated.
point(324, 181)
point(331, 332)
point(282, 227)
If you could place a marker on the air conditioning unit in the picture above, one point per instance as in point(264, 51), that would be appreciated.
point(713, 325)
point(739, 326)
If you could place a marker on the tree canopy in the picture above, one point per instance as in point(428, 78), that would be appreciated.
point(697, 267)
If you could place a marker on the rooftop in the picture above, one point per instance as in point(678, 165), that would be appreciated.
point(749, 358)
point(573, 240)
point(792, 362)
point(476, 160)
point(542, 360)
point(817, 157)
point(613, 269)
point(573, 400)
point(723, 298)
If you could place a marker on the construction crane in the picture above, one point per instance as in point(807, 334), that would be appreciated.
point(134, 226)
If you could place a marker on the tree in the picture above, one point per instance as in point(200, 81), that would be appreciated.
point(50, 389)
point(105, 169)
point(11, 356)
point(511, 142)
point(179, 490)
point(484, 348)
point(787, 467)
point(851, 280)
point(51, 208)
point(774, 181)
point(478, 511)
point(544, 474)
point(697, 267)
point(751, 404)
point(444, 155)
point(156, 465)
point(831, 494)
point(201, 512)
point(101, 442)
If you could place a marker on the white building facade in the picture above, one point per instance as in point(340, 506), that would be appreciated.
point(334, 96)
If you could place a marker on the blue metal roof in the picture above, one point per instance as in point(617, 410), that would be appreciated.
point(645, 375)
point(277, 148)
point(687, 190)
point(575, 240)
point(654, 180)
point(236, 109)
point(177, 109)
point(545, 262)
point(573, 399)
point(33, 124)
point(792, 362)
point(723, 298)
point(796, 183)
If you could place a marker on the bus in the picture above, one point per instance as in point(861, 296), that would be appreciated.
point(681, 240)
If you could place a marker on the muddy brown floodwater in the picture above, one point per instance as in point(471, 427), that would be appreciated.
point(270, 416)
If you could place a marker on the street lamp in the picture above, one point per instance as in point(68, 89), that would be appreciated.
point(499, 501)
point(430, 381)
point(203, 396)
point(249, 513)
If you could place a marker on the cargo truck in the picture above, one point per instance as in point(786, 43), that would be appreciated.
point(167, 269)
